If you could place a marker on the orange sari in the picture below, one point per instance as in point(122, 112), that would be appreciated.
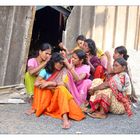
point(56, 102)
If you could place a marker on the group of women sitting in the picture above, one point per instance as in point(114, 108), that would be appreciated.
point(68, 87)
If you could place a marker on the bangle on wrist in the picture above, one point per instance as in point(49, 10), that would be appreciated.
point(56, 84)
point(95, 88)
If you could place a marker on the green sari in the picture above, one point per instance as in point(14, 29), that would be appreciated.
point(29, 83)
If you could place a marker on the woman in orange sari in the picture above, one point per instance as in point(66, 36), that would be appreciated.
point(50, 95)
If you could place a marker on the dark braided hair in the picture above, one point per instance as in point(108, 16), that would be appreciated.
point(122, 50)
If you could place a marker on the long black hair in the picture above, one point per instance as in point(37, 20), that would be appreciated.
point(122, 50)
point(45, 46)
point(81, 55)
point(56, 57)
point(42, 47)
point(91, 46)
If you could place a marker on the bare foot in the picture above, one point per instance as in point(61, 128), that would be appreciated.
point(30, 111)
point(66, 124)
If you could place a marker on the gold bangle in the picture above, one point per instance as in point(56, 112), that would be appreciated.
point(96, 88)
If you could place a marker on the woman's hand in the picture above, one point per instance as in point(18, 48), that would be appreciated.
point(41, 84)
point(91, 91)
point(48, 58)
point(108, 55)
point(37, 83)
point(60, 83)
point(46, 61)
point(61, 45)
point(67, 64)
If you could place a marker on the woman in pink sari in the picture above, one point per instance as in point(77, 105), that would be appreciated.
point(79, 72)
point(111, 95)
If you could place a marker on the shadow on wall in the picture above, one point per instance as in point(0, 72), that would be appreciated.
point(100, 20)
point(95, 18)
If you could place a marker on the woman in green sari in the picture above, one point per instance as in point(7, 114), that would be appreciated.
point(34, 65)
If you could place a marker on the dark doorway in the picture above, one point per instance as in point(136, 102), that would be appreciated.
point(48, 27)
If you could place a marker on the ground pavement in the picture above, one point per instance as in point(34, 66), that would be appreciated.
point(13, 120)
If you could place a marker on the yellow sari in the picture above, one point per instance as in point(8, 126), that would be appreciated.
point(55, 102)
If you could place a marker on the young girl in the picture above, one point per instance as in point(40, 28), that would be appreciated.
point(51, 97)
point(79, 42)
point(97, 69)
point(111, 95)
point(89, 43)
point(34, 65)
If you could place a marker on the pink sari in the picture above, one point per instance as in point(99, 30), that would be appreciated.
point(79, 89)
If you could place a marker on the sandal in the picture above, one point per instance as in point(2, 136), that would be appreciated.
point(86, 109)
point(97, 115)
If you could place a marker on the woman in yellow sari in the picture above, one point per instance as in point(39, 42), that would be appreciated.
point(51, 97)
